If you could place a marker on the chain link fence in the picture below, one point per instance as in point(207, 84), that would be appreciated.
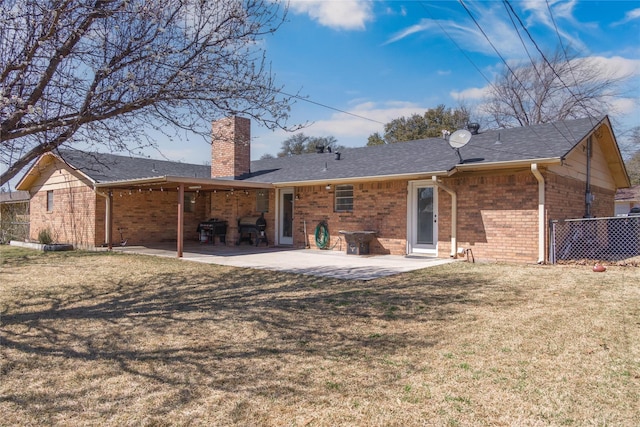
point(14, 222)
point(595, 239)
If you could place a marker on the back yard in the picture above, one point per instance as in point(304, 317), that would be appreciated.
point(116, 339)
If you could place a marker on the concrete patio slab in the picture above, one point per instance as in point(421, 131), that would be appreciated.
point(303, 261)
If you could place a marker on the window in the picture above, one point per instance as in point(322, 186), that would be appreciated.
point(50, 201)
point(189, 202)
point(344, 198)
point(262, 201)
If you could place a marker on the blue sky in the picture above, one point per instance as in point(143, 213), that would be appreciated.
point(369, 62)
point(379, 60)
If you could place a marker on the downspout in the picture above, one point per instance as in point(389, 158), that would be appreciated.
point(541, 211)
point(588, 197)
point(107, 217)
point(454, 215)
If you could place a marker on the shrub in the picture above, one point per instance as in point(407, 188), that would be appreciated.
point(44, 237)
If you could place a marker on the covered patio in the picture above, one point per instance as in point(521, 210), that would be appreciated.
point(169, 185)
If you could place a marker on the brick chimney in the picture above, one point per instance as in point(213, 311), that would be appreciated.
point(231, 147)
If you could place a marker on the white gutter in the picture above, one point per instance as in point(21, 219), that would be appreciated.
point(504, 165)
point(228, 183)
point(454, 215)
point(541, 211)
point(408, 176)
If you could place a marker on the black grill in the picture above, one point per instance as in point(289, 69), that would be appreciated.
point(252, 228)
point(208, 230)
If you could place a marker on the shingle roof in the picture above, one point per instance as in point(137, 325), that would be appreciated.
point(14, 197)
point(628, 194)
point(102, 167)
point(428, 155)
point(423, 156)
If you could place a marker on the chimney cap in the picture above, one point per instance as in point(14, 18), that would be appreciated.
point(473, 128)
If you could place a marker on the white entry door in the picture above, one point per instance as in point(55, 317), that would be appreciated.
point(285, 213)
point(422, 218)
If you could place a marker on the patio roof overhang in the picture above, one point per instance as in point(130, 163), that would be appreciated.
point(173, 182)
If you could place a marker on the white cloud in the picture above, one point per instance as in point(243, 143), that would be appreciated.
point(470, 94)
point(625, 106)
point(617, 67)
point(423, 25)
point(339, 15)
point(560, 11)
point(466, 34)
point(629, 16)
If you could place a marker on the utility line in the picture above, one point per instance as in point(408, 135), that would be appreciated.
point(578, 100)
point(533, 62)
point(510, 70)
point(456, 44)
point(301, 98)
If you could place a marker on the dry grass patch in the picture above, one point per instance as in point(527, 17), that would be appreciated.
point(116, 339)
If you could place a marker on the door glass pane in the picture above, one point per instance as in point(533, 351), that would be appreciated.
point(287, 215)
point(425, 216)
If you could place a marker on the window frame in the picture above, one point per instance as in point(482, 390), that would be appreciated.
point(343, 198)
point(190, 201)
point(262, 200)
point(50, 200)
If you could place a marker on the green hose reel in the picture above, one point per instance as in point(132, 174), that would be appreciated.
point(322, 235)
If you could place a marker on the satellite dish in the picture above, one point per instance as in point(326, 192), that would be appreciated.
point(459, 138)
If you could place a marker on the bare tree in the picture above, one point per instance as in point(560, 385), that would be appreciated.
point(103, 71)
point(553, 88)
point(633, 164)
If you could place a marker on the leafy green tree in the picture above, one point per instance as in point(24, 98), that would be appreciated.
point(375, 139)
point(428, 125)
point(301, 144)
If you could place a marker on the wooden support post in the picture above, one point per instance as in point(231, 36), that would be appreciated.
point(180, 220)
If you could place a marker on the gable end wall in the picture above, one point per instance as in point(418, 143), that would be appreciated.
point(73, 219)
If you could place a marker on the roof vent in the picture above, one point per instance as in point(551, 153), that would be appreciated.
point(473, 128)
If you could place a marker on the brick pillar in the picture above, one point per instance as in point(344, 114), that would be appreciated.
point(231, 147)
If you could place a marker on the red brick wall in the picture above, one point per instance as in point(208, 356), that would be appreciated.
point(378, 206)
point(497, 216)
point(230, 147)
point(231, 206)
point(72, 220)
point(152, 216)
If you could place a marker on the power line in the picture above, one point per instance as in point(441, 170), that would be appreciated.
point(578, 100)
point(456, 44)
point(301, 98)
point(509, 68)
point(533, 62)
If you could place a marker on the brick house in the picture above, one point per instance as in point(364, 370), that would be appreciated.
point(626, 199)
point(494, 196)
